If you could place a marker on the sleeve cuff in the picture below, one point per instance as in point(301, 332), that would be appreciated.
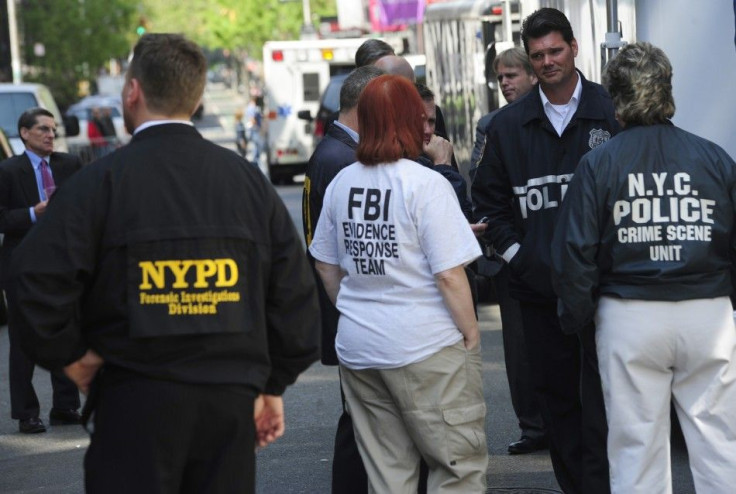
point(509, 253)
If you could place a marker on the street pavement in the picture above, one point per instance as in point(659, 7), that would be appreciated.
point(299, 462)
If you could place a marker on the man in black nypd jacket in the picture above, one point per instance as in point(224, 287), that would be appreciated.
point(532, 149)
point(170, 273)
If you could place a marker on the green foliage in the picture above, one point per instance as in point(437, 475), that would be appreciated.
point(79, 37)
point(233, 24)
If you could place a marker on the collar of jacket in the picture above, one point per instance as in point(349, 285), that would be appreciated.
point(630, 126)
point(338, 133)
point(590, 105)
point(167, 129)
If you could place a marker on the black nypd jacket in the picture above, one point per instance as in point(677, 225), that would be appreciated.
point(648, 216)
point(524, 173)
point(172, 258)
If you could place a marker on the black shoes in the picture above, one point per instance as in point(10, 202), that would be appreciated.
point(32, 425)
point(527, 445)
point(64, 417)
point(57, 416)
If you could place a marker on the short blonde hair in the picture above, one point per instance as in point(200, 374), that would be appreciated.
point(513, 57)
point(639, 81)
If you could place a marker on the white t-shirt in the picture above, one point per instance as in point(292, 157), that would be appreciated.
point(391, 228)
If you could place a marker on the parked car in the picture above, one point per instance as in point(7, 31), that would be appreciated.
point(96, 136)
point(17, 98)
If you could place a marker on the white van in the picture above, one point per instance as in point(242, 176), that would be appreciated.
point(17, 98)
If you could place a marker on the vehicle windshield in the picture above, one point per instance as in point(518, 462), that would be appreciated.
point(331, 98)
point(12, 105)
point(86, 113)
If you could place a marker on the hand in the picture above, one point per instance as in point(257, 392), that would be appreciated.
point(83, 370)
point(40, 208)
point(478, 228)
point(473, 340)
point(268, 414)
point(439, 150)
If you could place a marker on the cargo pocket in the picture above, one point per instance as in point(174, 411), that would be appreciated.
point(466, 435)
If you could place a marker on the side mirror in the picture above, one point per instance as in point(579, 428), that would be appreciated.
point(71, 125)
point(305, 115)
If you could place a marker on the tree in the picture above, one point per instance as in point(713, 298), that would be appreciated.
point(78, 38)
point(233, 24)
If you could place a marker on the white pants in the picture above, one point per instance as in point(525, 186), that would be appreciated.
point(648, 352)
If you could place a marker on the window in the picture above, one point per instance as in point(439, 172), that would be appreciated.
point(12, 105)
point(310, 83)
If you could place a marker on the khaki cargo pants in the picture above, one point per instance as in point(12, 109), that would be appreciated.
point(434, 409)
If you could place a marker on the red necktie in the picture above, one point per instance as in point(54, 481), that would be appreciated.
point(46, 179)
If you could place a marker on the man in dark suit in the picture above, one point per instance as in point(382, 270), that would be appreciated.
point(26, 183)
point(333, 153)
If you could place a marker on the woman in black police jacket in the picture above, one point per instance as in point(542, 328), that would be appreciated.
point(644, 247)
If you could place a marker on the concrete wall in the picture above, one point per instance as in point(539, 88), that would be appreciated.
point(698, 37)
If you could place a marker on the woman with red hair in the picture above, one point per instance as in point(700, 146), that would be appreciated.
point(390, 245)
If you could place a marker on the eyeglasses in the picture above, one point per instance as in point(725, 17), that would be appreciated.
point(44, 129)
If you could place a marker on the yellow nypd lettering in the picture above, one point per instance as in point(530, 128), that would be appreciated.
point(208, 278)
point(179, 269)
point(225, 267)
point(153, 273)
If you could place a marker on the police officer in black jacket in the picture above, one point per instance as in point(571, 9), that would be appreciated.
point(169, 281)
point(533, 147)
